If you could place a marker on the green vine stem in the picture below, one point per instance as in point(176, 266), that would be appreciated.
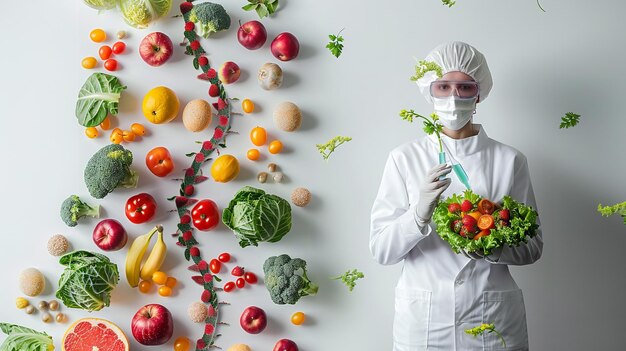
point(431, 125)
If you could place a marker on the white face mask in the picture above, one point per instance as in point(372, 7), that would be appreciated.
point(454, 112)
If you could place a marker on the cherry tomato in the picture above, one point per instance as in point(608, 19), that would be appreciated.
point(106, 124)
point(298, 318)
point(250, 278)
point(128, 135)
point(228, 287)
point(253, 154)
point(159, 277)
point(486, 207)
point(105, 52)
point(240, 282)
point(91, 132)
point(165, 291)
point(159, 161)
point(138, 129)
point(247, 105)
point(145, 286)
point(89, 62)
point(116, 138)
point(275, 147)
point(140, 208)
point(258, 136)
point(215, 266)
point(205, 215)
point(182, 344)
point(98, 35)
point(171, 282)
point(110, 64)
point(224, 257)
point(119, 47)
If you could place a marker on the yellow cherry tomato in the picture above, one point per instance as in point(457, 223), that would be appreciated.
point(159, 277)
point(253, 154)
point(171, 282)
point(258, 136)
point(247, 105)
point(106, 124)
point(89, 62)
point(182, 344)
point(165, 291)
point(275, 147)
point(145, 286)
point(91, 132)
point(298, 318)
point(98, 35)
point(138, 129)
point(128, 136)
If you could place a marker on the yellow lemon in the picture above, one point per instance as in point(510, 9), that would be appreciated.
point(160, 105)
point(225, 168)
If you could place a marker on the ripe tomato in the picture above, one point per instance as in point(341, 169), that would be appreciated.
point(228, 287)
point(110, 64)
point(205, 215)
point(215, 266)
point(165, 291)
point(486, 222)
point(159, 161)
point(119, 47)
point(89, 62)
point(224, 257)
point(247, 105)
point(250, 277)
point(486, 207)
point(105, 52)
point(258, 136)
point(240, 282)
point(298, 318)
point(98, 35)
point(140, 208)
point(182, 344)
point(275, 147)
point(253, 154)
point(138, 129)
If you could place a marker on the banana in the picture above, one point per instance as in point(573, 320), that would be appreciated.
point(135, 256)
point(155, 259)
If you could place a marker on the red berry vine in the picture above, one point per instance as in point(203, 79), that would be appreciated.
point(193, 176)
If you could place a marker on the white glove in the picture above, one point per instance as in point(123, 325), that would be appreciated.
point(430, 190)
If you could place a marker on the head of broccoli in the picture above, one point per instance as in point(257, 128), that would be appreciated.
point(72, 209)
point(109, 168)
point(284, 283)
point(209, 18)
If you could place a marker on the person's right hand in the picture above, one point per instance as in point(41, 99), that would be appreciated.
point(430, 190)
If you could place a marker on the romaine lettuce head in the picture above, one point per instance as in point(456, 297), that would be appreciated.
point(255, 216)
point(140, 13)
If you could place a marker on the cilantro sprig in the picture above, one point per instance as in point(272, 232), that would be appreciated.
point(481, 329)
point(569, 120)
point(327, 149)
point(607, 211)
point(350, 277)
point(336, 44)
point(431, 125)
point(264, 8)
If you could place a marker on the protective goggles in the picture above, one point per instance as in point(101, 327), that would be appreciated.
point(446, 88)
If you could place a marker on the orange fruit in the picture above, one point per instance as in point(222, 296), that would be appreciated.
point(225, 168)
point(94, 334)
point(275, 147)
point(298, 318)
point(253, 154)
point(160, 105)
point(159, 277)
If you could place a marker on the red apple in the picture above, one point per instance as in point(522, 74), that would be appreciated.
point(252, 35)
point(229, 72)
point(253, 320)
point(152, 325)
point(156, 48)
point(285, 345)
point(109, 235)
point(285, 46)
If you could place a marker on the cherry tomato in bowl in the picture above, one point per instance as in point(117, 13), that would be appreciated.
point(205, 215)
point(159, 161)
point(140, 208)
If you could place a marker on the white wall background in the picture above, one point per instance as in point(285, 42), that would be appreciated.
point(543, 64)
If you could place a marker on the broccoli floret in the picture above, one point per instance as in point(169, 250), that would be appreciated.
point(74, 209)
point(209, 18)
point(282, 281)
point(109, 168)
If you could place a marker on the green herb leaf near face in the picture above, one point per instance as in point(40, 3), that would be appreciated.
point(619, 209)
point(336, 44)
point(327, 149)
point(24, 339)
point(99, 96)
point(569, 120)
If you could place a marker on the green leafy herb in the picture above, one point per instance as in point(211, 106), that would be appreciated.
point(99, 96)
point(620, 209)
point(449, 3)
point(336, 44)
point(329, 147)
point(423, 67)
point(24, 339)
point(350, 277)
point(87, 281)
point(431, 125)
point(481, 329)
point(263, 8)
point(569, 120)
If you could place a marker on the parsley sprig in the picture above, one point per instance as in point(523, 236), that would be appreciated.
point(569, 120)
point(264, 8)
point(350, 277)
point(330, 146)
point(336, 44)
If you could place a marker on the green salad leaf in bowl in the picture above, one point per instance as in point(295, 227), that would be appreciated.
point(471, 223)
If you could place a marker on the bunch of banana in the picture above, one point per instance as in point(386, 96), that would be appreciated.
point(134, 269)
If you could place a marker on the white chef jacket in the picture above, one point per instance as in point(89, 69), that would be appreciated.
point(440, 293)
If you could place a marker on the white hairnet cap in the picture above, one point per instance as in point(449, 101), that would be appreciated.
point(457, 56)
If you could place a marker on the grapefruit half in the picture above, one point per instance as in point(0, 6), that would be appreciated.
point(94, 334)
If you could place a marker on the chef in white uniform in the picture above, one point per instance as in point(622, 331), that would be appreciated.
point(440, 293)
